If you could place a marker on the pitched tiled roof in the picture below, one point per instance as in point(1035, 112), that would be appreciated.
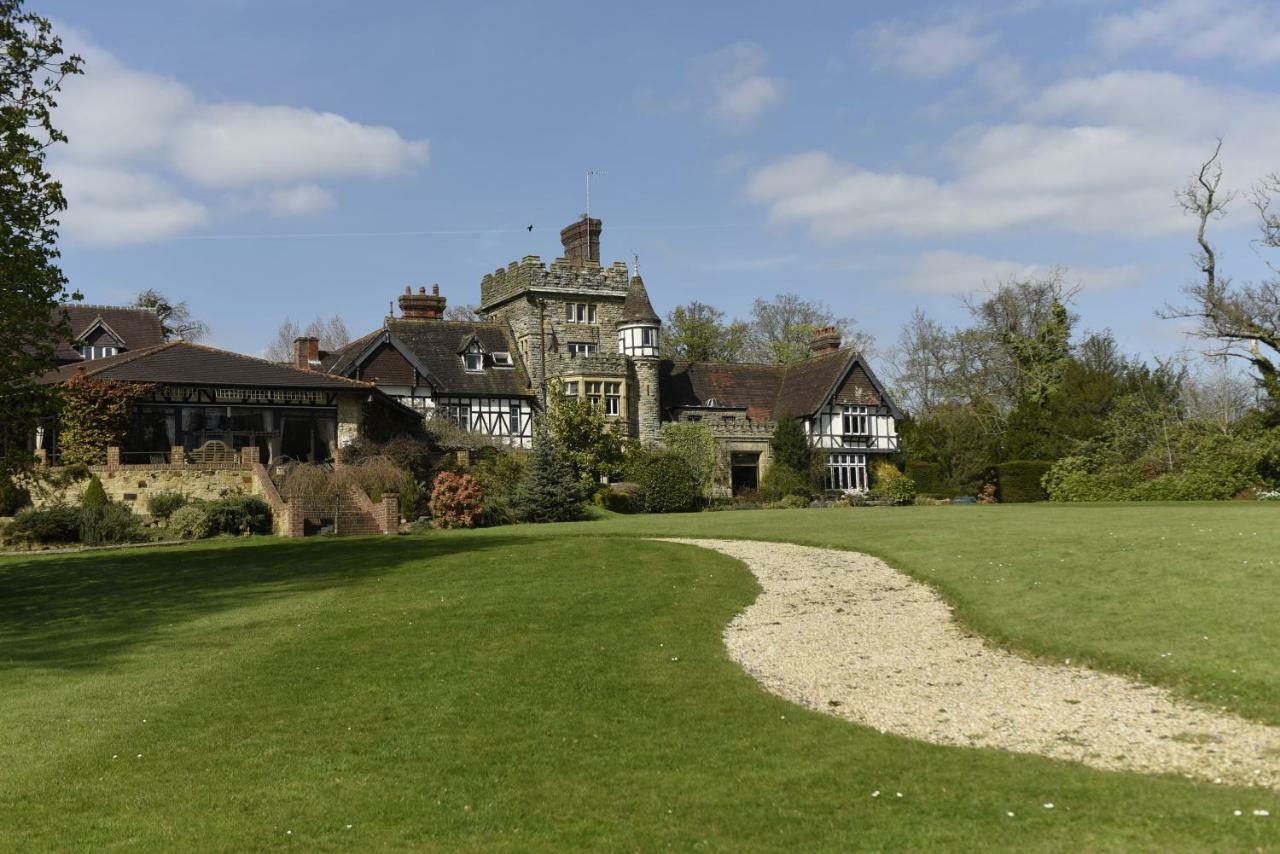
point(637, 308)
point(765, 391)
point(434, 347)
point(136, 327)
point(182, 363)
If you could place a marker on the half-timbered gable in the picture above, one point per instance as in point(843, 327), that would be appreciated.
point(101, 331)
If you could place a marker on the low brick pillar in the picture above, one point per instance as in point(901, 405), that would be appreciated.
point(295, 521)
point(177, 456)
point(113, 457)
point(389, 513)
point(249, 455)
point(463, 457)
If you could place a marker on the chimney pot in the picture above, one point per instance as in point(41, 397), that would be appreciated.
point(435, 290)
point(422, 306)
point(825, 340)
point(408, 290)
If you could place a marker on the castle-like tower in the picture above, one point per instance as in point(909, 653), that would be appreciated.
point(588, 327)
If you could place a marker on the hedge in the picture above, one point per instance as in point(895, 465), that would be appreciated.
point(1020, 481)
point(928, 477)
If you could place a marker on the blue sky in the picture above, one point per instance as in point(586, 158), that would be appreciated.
point(264, 160)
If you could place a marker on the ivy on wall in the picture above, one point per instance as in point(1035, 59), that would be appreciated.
point(95, 415)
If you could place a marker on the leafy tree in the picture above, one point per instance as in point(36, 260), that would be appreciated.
point(696, 332)
point(32, 286)
point(95, 415)
point(590, 444)
point(790, 445)
point(695, 444)
point(95, 496)
point(550, 490)
point(175, 318)
point(781, 330)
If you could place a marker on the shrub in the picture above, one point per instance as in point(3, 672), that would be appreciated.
point(50, 525)
point(697, 446)
point(1020, 480)
point(499, 474)
point(457, 501)
point(790, 445)
point(94, 495)
point(928, 476)
point(794, 502)
point(163, 504)
point(550, 490)
point(239, 514)
point(891, 485)
point(12, 497)
point(190, 522)
point(108, 525)
point(618, 502)
point(373, 476)
point(669, 484)
point(1268, 495)
point(781, 480)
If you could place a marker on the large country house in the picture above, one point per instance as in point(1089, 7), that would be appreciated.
point(574, 326)
point(592, 331)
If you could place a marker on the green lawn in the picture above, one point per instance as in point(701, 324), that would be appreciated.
point(565, 687)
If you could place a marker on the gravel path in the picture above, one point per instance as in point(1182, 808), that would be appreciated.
point(844, 633)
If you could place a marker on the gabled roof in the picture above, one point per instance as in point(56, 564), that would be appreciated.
point(637, 308)
point(433, 348)
point(183, 363)
point(766, 391)
point(134, 328)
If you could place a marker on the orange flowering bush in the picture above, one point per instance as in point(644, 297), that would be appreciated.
point(457, 501)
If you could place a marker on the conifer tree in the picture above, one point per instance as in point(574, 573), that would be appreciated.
point(790, 446)
point(550, 490)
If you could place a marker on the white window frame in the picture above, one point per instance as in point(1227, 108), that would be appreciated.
point(856, 421)
point(580, 312)
point(571, 388)
point(612, 398)
point(502, 359)
point(594, 390)
point(847, 472)
point(582, 348)
point(513, 419)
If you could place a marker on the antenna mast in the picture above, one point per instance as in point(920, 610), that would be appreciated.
point(590, 172)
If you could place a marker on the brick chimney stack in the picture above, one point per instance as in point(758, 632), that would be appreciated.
point(306, 353)
point(582, 241)
point(825, 340)
point(422, 305)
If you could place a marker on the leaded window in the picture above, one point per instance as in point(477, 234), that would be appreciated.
point(612, 398)
point(593, 392)
point(856, 421)
point(847, 472)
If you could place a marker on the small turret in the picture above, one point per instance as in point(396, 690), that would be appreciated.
point(638, 325)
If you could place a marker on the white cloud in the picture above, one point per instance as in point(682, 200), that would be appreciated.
point(949, 272)
point(148, 159)
point(1100, 155)
point(927, 51)
point(1245, 32)
point(739, 91)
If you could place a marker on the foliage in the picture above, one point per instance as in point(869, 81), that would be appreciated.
point(889, 484)
point(793, 502)
point(49, 525)
point(781, 329)
point(696, 332)
point(550, 490)
point(457, 501)
point(373, 476)
point(108, 525)
point(13, 497)
point(668, 482)
point(695, 444)
point(32, 67)
point(94, 496)
point(618, 502)
point(417, 456)
point(928, 476)
point(95, 415)
point(790, 445)
point(781, 480)
point(594, 450)
point(162, 505)
point(239, 514)
point(175, 317)
point(190, 522)
point(1020, 481)
point(413, 498)
point(499, 473)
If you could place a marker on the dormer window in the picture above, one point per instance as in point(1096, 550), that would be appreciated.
point(473, 357)
point(502, 360)
point(91, 352)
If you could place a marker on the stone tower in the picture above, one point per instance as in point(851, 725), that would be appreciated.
point(638, 329)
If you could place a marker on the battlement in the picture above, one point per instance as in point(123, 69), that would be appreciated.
point(530, 275)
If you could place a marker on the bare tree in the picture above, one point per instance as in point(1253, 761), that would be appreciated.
point(1217, 394)
point(781, 330)
point(920, 364)
point(175, 318)
point(332, 333)
point(1243, 322)
point(466, 312)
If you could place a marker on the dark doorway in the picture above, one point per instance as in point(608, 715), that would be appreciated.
point(744, 471)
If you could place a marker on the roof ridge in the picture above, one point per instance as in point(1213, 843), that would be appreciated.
point(260, 360)
point(122, 359)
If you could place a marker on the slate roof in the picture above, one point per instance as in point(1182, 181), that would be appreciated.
point(637, 308)
point(434, 347)
point(183, 363)
point(136, 327)
point(765, 391)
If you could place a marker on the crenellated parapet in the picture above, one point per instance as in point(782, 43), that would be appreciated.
point(530, 276)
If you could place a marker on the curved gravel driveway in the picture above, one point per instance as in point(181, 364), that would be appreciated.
point(846, 634)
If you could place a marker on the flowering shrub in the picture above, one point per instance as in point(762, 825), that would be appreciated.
point(457, 501)
point(1273, 495)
